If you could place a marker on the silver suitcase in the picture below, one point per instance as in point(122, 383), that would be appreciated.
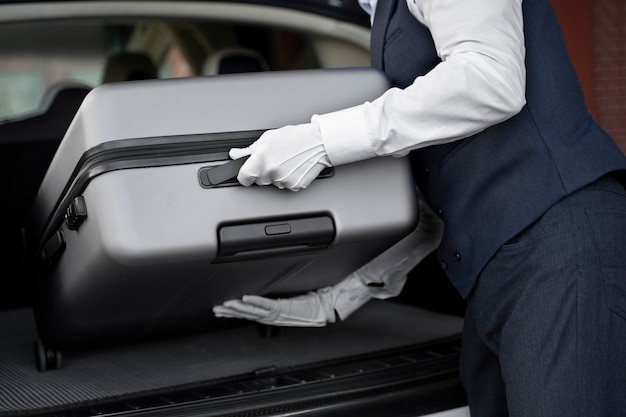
point(134, 240)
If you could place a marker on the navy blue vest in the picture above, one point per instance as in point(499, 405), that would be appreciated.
point(489, 187)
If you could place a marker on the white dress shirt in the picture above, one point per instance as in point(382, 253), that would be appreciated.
point(480, 82)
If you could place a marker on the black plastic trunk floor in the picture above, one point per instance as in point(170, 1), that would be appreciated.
point(108, 373)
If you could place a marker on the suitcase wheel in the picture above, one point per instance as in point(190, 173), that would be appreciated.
point(47, 359)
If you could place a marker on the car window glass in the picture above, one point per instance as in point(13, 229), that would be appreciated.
point(34, 57)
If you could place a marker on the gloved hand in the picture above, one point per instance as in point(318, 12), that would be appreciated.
point(309, 310)
point(383, 277)
point(289, 157)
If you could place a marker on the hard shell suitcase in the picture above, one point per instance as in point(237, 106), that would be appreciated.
point(135, 238)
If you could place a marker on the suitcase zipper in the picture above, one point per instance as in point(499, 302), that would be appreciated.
point(142, 153)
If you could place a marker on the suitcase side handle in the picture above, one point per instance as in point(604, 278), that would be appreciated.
point(275, 237)
point(222, 173)
point(226, 173)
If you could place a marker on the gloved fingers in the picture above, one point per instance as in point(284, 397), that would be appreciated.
point(302, 176)
point(225, 312)
point(294, 322)
point(264, 168)
point(259, 302)
point(306, 310)
point(251, 172)
point(236, 153)
point(251, 311)
point(293, 169)
point(284, 157)
point(248, 175)
point(307, 178)
point(300, 311)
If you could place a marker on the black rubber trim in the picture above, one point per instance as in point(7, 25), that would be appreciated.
point(417, 380)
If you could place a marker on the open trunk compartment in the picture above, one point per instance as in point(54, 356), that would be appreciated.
point(393, 349)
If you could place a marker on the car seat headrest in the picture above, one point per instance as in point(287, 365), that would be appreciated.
point(234, 60)
point(129, 66)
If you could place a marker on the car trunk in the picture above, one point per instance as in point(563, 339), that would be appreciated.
point(386, 353)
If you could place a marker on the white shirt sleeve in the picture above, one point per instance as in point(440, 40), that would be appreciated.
point(384, 276)
point(480, 82)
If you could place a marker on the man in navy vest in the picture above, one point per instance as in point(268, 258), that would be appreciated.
point(529, 186)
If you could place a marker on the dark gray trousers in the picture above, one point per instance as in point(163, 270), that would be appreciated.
point(545, 329)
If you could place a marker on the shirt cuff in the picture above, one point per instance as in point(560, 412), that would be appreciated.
point(344, 134)
point(350, 296)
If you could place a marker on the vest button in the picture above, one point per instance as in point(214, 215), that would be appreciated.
point(457, 257)
point(444, 266)
point(426, 170)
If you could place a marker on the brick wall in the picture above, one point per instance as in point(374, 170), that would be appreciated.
point(595, 32)
point(609, 66)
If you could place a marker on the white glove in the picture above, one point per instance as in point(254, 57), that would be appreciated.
point(309, 310)
point(383, 277)
point(289, 157)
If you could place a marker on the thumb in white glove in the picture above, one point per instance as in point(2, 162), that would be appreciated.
point(289, 157)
